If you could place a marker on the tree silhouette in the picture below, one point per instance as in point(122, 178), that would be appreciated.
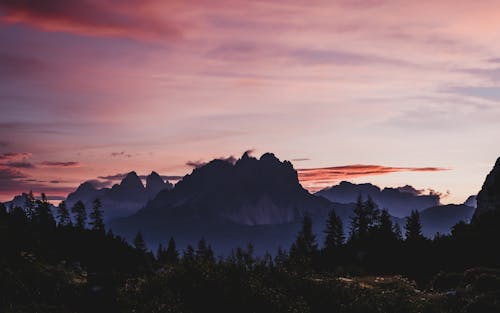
point(63, 215)
point(413, 227)
point(42, 214)
point(171, 254)
point(334, 232)
point(80, 214)
point(30, 205)
point(360, 221)
point(305, 246)
point(96, 216)
point(139, 242)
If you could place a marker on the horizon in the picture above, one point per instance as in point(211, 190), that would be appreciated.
point(383, 92)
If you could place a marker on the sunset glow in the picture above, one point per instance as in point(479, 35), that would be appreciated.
point(92, 89)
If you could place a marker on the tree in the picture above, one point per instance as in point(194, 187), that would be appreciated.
point(30, 205)
point(96, 216)
point(385, 225)
point(189, 255)
point(334, 232)
point(80, 214)
point(305, 246)
point(171, 254)
point(63, 215)
point(204, 253)
point(139, 242)
point(413, 227)
point(359, 221)
point(42, 213)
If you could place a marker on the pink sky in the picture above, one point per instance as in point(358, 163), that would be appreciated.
point(95, 88)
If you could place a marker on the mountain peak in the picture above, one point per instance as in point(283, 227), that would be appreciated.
point(155, 183)
point(132, 182)
point(488, 198)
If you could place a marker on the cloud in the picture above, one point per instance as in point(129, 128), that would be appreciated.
point(7, 174)
point(18, 164)
point(13, 181)
point(10, 156)
point(60, 164)
point(329, 175)
point(99, 184)
point(4, 143)
point(16, 65)
point(300, 159)
point(118, 176)
point(129, 19)
point(121, 153)
point(196, 164)
point(230, 159)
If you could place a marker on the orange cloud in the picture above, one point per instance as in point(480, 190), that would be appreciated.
point(316, 178)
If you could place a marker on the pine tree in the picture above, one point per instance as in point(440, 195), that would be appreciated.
point(359, 221)
point(334, 232)
point(204, 252)
point(139, 242)
point(413, 227)
point(96, 216)
point(385, 226)
point(42, 213)
point(189, 255)
point(80, 214)
point(171, 254)
point(63, 215)
point(30, 205)
point(160, 253)
point(397, 232)
point(305, 245)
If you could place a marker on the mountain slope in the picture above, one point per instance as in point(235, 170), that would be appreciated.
point(488, 198)
point(440, 219)
point(398, 201)
point(122, 199)
point(258, 200)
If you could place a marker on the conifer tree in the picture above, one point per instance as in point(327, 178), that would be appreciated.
point(96, 216)
point(385, 225)
point(359, 221)
point(30, 205)
point(80, 214)
point(42, 213)
point(189, 255)
point(63, 215)
point(305, 245)
point(334, 232)
point(413, 227)
point(171, 254)
point(139, 242)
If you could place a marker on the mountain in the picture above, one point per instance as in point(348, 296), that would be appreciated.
point(230, 204)
point(471, 201)
point(398, 201)
point(21, 201)
point(440, 219)
point(488, 198)
point(122, 199)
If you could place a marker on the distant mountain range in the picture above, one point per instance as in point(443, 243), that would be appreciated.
point(122, 199)
point(231, 203)
point(262, 201)
point(398, 201)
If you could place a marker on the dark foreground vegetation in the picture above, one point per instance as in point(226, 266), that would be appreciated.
point(68, 263)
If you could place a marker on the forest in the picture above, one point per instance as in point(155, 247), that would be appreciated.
point(70, 262)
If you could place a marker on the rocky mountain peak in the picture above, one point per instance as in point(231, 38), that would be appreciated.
point(489, 197)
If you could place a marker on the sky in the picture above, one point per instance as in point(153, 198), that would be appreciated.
point(388, 92)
